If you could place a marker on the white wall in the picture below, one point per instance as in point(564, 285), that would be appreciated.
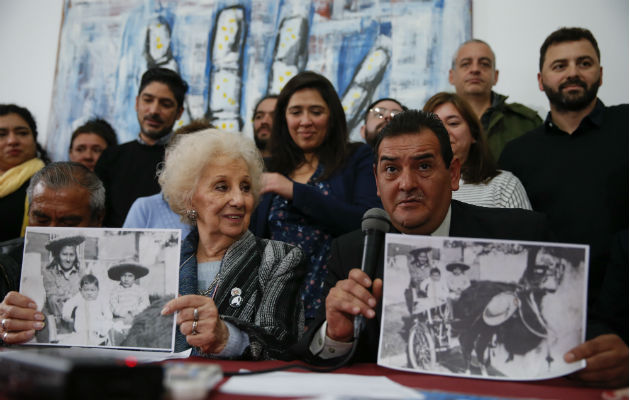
point(29, 32)
point(516, 28)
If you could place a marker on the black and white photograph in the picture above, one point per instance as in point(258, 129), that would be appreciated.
point(102, 287)
point(492, 309)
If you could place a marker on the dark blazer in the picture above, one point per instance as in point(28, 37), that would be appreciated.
point(466, 221)
point(353, 192)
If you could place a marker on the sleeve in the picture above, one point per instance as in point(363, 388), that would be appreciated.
point(515, 191)
point(342, 215)
point(69, 306)
point(137, 216)
point(279, 319)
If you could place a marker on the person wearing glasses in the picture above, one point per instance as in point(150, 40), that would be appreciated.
point(378, 114)
point(319, 184)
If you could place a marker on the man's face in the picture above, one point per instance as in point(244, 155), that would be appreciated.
point(571, 75)
point(67, 206)
point(377, 118)
point(474, 72)
point(263, 120)
point(413, 182)
point(157, 111)
point(127, 279)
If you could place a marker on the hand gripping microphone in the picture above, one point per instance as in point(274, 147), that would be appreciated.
point(374, 224)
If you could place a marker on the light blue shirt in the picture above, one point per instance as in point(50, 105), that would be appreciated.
point(154, 212)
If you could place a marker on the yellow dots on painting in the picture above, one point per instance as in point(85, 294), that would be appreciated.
point(223, 28)
point(232, 21)
point(158, 25)
point(281, 78)
point(218, 87)
point(231, 101)
point(288, 73)
point(283, 45)
point(293, 36)
point(180, 123)
point(232, 125)
point(345, 108)
point(225, 80)
point(231, 29)
point(223, 125)
point(226, 38)
point(356, 95)
point(220, 46)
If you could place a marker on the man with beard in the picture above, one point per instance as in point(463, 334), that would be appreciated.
point(575, 169)
point(128, 171)
point(378, 114)
point(473, 73)
point(262, 121)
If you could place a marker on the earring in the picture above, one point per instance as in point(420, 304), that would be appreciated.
point(192, 216)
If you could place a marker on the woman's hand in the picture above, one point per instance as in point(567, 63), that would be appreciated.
point(210, 334)
point(277, 183)
point(19, 318)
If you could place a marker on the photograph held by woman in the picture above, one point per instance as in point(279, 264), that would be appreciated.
point(238, 293)
point(319, 185)
point(20, 158)
point(481, 182)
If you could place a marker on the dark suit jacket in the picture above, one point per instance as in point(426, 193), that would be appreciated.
point(466, 221)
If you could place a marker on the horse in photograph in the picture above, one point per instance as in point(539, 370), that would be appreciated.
point(490, 313)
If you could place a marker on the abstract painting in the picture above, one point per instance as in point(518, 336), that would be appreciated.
point(232, 53)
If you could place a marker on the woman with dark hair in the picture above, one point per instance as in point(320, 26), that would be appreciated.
point(481, 182)
point(90, 140)
point(20, 157)
point(319, 185)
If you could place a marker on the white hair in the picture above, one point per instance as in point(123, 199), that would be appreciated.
point(190, 154)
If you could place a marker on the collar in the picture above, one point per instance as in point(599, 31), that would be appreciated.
point(444, 228)
point(66, 274)
point(496, 99)
point(595, 117)
point(163, 141)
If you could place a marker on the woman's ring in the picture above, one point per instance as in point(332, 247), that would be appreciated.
point(194, 329)
point(4, 324)
point(195, 315)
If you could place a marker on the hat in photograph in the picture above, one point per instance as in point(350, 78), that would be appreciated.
point(116, 271)
point(461, 266)
point(500, 308)
point(56, 245)
point(419, 250)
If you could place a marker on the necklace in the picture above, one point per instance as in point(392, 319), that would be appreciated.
point(212, 289)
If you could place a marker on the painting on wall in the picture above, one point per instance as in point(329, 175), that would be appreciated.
point(232, 53)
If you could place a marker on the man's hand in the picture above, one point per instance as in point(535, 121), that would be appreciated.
point(606, 361)
point(349, 298)
point(19, 318)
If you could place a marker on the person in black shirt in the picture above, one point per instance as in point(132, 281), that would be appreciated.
point(575, 169)
point(129, 171)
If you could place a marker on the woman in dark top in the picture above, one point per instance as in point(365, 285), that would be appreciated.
point(20, 157)
point(318, 185)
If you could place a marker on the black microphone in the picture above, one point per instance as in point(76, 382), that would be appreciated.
point(374, 224)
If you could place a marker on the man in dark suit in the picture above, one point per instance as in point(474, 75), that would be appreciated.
point(415, 174)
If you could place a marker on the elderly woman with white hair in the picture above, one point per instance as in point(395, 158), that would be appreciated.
point(238, 293)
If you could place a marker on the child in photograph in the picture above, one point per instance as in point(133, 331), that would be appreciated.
point(457, 280)
point(127, 299)
point(91, 317)
point(435, 288)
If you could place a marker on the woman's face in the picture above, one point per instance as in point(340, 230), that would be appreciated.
point(458, 130)
point(223, 199)
point(307, 117)
point(17, 142)
point(67, 257)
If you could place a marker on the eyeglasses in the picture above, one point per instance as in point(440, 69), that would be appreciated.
point(381, 113)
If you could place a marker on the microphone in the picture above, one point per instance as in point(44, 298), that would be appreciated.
point(374, 224)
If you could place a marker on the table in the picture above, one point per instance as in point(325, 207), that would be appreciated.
point(559, 388)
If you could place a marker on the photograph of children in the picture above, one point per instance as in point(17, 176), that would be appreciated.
point(483, 308)
point(102, 287)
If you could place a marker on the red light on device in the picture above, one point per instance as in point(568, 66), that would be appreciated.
point(131, 362)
